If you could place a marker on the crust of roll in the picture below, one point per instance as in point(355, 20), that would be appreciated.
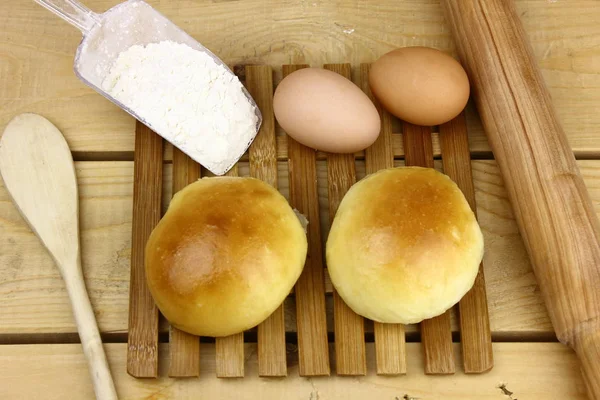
point(225, 255)
point(404, 245)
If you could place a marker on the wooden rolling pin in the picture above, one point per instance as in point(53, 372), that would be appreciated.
point(552, 207)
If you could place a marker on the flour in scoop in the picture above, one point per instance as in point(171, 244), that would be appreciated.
point(189, 99)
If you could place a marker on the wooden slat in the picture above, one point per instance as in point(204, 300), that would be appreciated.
point(142, 349)
point(313, 349)
point(475, 334)
point(230, 349)
point(349, 327)
point(184, 354)
point(389, 338)
point(436, 333)
point(185, 171)
point(263, 165)
point(436, 336)
point(417, 142)
point(184, 351)
point(230, 356)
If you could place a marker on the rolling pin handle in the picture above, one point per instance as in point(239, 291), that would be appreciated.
point(587, 347)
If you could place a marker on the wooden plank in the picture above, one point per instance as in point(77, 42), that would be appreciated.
point(436, 333)
point(349, 327)
point(389, 338)
point(142, 345)
point(185, 171)
point(390, 347)
point(528, 370)
point(230, 356)
point(436, 336)
point(263, 165)
point(33, 301)
point(230, 349)
point(184, 352)
point(313, 349)
point(184, 348)
point(417, 142)
point(475, 333)
point(42, 81)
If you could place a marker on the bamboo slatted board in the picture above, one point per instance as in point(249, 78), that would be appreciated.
point(312, 287)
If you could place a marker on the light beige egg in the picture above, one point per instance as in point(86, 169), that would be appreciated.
point(420, 85)
point(323, 110)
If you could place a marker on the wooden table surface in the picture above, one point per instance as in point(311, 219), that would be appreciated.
point(40, 357)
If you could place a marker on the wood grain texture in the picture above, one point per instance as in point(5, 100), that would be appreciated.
point(475, 334)
point(142, 349)
point(588, 351)
point(185, 171)
point(184, 354)
point(380, 155)
point(436, 337)
point(230, 356)
point(282, 146)
point(390, 341)
point(272, 356)
point(230, 349)
point(390, 347)
point(33, 300)
point(436, 333)
point(313, 349)
point(36, 55)
point(553, 208)
point(417, 142)
point(530, 371)
point(184, 347)
point(263, 165)
point(349, 327)
point(38, 171)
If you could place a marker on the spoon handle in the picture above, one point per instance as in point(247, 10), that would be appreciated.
point(88, 332)
point(73, 12)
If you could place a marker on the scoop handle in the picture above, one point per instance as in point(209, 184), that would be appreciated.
point(73, 12)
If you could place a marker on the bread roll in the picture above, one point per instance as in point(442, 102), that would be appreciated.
point(404, 245)
point(225, 255)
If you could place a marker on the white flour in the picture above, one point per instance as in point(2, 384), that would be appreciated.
point(187, 98)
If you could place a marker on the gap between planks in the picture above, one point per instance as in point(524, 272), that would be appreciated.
point(390, 339)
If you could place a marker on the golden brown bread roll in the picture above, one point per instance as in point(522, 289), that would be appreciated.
point(404, 245)
point(225, 255)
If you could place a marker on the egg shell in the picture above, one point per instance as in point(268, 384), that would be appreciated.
point(323, 110)
point(420, 85)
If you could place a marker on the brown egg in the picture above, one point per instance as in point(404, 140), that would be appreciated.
point(323, 110)
point(420, 85)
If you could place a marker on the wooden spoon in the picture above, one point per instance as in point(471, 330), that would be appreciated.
point(38, 172)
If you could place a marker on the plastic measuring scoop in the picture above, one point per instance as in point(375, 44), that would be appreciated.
point(106, 35)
